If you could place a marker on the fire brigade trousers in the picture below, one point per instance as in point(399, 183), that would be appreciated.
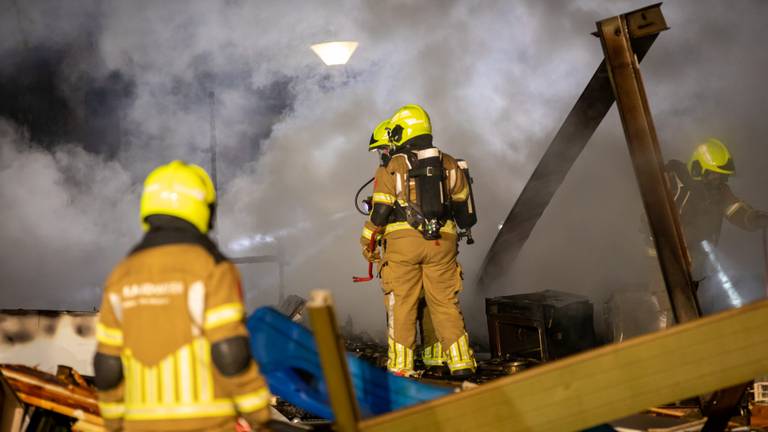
point(410, 264)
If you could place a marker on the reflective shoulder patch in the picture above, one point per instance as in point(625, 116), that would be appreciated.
point(733, 208)
point(196, 303)
point(117, 306)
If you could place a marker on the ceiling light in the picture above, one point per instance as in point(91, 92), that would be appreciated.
point(335, 53)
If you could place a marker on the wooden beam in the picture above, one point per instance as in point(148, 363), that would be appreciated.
point(11, 408)
point(61, 409)
point(330, 349)
point(604, 384)
point(21, 382)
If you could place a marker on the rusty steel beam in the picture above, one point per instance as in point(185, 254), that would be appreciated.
point(624, 71)
point(648, 164)
point(579, 126)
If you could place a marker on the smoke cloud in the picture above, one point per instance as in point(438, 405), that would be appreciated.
point(95, 94)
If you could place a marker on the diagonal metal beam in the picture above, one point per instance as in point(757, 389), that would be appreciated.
point(578, 127)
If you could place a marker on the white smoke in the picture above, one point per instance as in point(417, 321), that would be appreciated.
point(68, 216)
point(497, 78)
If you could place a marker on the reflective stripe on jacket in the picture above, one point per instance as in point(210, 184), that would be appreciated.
point(163, 308)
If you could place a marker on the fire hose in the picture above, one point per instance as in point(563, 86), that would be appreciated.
point(372, 248)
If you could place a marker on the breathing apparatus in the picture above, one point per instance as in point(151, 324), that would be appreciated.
point(409, 132)
point(465, 219)
point(431, 209)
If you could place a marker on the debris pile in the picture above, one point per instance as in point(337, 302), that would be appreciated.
point(35, 400)
point(363, 345)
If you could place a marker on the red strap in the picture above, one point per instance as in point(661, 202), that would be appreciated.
point(372, 248)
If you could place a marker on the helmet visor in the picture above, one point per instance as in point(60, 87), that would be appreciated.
point(727, 166)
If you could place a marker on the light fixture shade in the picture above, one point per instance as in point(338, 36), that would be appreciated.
point(335, 53)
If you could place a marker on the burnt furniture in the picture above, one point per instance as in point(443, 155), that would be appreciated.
point(543, 326)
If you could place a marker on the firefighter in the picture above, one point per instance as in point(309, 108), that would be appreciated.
point(173, 351)
point(419, 197)
point(432, 352)
point(703, 198)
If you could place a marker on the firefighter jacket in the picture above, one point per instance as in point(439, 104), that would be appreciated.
point(390, 201)
point(164, 307)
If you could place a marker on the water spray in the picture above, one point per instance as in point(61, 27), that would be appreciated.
point(725, 281)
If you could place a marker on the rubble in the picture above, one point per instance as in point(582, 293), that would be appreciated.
point(292, 307)
point(33, 400)
point(362, 345)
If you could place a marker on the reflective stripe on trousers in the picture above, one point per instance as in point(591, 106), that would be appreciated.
point(460, 356)
point(433, 355)
point(399, 357)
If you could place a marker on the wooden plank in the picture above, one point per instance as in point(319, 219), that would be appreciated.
point(672, 412)
point(330, 349)
point(11, 408)
point(75, 397)
point(604, 384)
point(62, 409)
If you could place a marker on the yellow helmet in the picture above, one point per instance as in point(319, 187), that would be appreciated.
point(711, 155)
point(380, 136)
point(408, 122)
point(179, 189)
